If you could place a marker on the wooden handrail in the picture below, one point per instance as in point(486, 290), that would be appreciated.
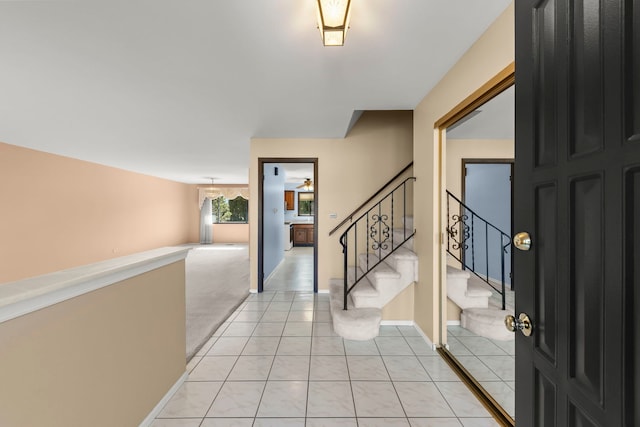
point(377, 193)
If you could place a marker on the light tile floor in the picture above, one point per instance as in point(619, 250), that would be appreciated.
point(491, 362)
point(277, 362)
point(295, 273)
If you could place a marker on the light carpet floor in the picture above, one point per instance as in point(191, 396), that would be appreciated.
point(217, 282)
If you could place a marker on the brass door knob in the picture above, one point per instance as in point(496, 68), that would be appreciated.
point(522, 324)
point(522, 241)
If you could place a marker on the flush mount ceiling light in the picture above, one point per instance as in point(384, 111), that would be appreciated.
point(333, 21)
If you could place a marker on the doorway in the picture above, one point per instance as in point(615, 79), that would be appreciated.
point(288, 207)
point(487, 187)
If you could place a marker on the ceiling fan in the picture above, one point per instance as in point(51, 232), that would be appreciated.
point(307, 184)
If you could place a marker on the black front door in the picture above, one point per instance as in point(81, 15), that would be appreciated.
point(577, 193)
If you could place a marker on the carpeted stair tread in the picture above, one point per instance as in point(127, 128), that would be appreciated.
point(456, 272)
point(363, 287)
point(383, 269)
point(477, 290)
point(486, 322)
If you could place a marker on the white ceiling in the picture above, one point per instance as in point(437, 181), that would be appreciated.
point(296, 173)
point(177, 88)
point(495, 119)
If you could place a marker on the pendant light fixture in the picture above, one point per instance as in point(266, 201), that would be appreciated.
point(333, 21)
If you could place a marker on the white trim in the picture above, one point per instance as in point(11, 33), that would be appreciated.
point(426, 338)
point(397, 323)
point(453, 323)
point(323, 291)
point(156, 410)
point(410, 323)
point(28, 295)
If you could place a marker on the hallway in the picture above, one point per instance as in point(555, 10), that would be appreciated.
point(295, 273)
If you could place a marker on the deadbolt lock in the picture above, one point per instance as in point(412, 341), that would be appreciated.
point(522, 324)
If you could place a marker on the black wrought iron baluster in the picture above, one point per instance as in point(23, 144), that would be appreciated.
point(449, 225)
point(392, 223)
point(486, 249)
point(346, 258)
point(355, 252)
point(502, 271)
point(379, 230)
point(368, 243)
point(404, 211)
point(473, 244)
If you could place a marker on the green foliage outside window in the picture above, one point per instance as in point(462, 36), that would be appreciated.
point(305, 203)
point(230, 211)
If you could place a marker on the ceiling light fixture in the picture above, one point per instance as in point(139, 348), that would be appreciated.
point(333, 21)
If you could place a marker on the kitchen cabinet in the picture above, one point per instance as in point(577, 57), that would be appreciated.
point(303, 234)
point(289, 197)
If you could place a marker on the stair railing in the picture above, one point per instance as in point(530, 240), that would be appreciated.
point(373, 234)
point(464, 229)
point(370, 199)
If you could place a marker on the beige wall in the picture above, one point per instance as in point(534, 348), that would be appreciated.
point(349, 171)
point(491, 53)
point(105, 358)
point(59, 212)
point(230, 233)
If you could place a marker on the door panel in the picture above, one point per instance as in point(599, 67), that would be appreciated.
point(545, 402)
point(545, 108)
point(587, 87)
point(586, 357)
point(578, 419)
point(632, 111)
point(632, 278)
point(546, 275)
point(577, 191)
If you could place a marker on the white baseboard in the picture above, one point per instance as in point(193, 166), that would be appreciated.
point(410, 323)
point(156, 410)
point(426, 338)
point(397, 323)
point(453, 323)
point(323, 291)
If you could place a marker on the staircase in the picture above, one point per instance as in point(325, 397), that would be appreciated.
point(472, 294)
point(379, 263)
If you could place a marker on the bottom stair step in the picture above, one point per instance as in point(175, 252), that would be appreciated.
point(486, 322)
point(355, 323)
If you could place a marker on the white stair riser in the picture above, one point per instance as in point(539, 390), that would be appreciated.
point(461, 293)
point(388, 285)
point(457, 292)
point(387, 289)
point(485, 326)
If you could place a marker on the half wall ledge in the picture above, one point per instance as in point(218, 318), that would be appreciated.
point(28, 295)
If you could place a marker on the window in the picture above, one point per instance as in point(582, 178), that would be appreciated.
point(305, 203)
point(234, 211)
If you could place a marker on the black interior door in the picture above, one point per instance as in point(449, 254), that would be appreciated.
point(577, 192)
